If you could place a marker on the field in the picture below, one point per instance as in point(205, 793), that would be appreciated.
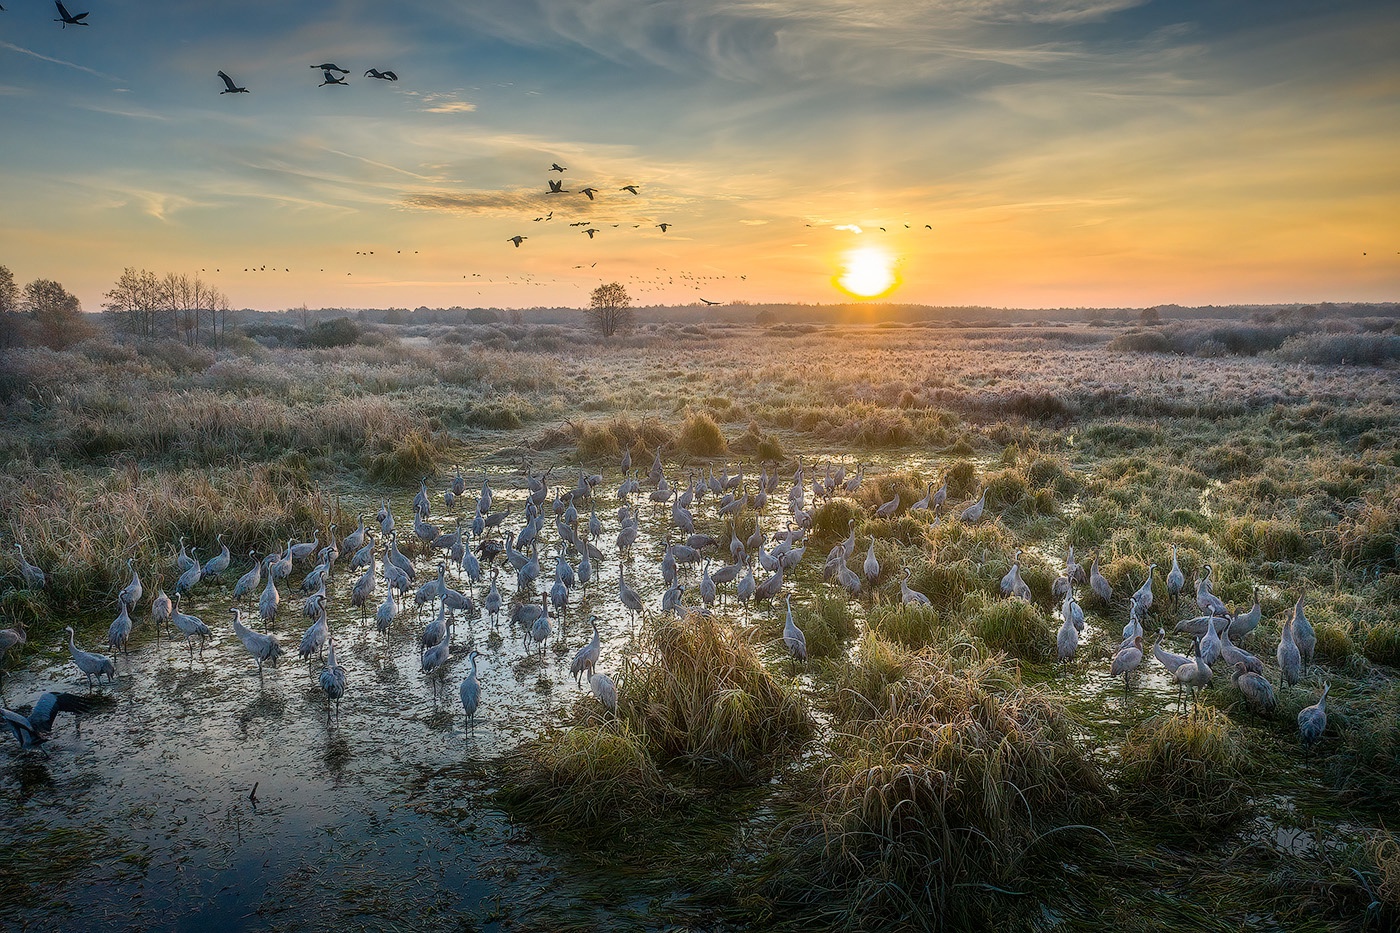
point(931, 767)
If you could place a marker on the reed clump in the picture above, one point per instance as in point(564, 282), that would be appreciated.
point(585, 780)
point(1186, 768)
point(398, 461)
point(700, 694)
point(700, 436)
point(1012, 626)
point(946, 791)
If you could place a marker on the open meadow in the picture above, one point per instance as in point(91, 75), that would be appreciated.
point(935, 763)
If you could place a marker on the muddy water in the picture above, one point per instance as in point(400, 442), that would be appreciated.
point(138, 815)
point(380, 813)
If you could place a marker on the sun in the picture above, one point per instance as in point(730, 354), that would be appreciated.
point(869, 273)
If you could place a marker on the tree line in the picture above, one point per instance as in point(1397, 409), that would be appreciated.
point(143, 304)
point(41, 312)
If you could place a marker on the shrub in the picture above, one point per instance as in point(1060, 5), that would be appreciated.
point(340, 332)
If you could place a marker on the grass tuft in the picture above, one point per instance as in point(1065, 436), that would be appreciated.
point(1185, 770)
point(954, 781)
point(699, 692)
point(586, 780)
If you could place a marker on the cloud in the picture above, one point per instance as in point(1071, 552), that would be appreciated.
point(454, 106)
point(480, 202)
point(851, 227)
point(57, 61)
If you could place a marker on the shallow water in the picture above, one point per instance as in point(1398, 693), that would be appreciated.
point(379, 816)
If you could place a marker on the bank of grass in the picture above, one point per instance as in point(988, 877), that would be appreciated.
point(951, 779)
point(81, 528)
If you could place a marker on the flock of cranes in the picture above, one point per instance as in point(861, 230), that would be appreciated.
point(551, 551)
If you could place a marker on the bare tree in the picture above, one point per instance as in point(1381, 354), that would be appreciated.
point(610, 309)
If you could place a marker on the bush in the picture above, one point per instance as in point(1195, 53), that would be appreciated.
point(340, 332)
point(1141, 341)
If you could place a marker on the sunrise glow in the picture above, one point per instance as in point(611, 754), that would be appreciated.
point(869, 273)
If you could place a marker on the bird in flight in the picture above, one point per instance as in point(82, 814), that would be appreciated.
point(331, 66)
point(33, 729)
point(631, 188)
point(588, 191)
point(516, 240)
point(590, 231)
point(68, 19)
point(557, 187)
point(709, 302)
point(664, 227)
point(556, 167)
point(230, 87)
point(386, 75)
point(331, 79)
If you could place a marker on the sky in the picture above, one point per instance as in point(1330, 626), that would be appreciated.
point(1016, 153)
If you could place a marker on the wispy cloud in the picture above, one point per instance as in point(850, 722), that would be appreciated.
point(57, 61)
point(454, 106)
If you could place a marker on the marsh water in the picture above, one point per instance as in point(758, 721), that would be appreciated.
point(141, 813)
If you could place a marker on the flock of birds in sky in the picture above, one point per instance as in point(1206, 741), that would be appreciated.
point(332, 74)
point(549, 570)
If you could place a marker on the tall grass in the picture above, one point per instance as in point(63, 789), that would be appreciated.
point(1185, 773)
point(703, 699)
point(586, 780)
point(941, 797)
point(81, 529)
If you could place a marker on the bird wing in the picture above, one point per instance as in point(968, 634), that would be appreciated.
point(228, 82)
point(50, 705)
point(390, 75)
point(62, 11)
point(19, 723)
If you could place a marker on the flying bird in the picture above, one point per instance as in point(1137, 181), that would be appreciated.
point(709, 302)
point(230, 87)
point(34, 729)
point(588, 191)
point(665, 227)
point(331, 66)
point(516, 240)
point(68, 19)
point(385, 75)
point(556, 167)
point(557, 187)
point(590, 231)
point(331, 79)
point(631, 188)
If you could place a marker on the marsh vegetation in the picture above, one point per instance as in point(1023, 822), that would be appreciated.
point(927, 766)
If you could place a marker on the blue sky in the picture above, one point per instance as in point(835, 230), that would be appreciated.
point(1042, 153)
